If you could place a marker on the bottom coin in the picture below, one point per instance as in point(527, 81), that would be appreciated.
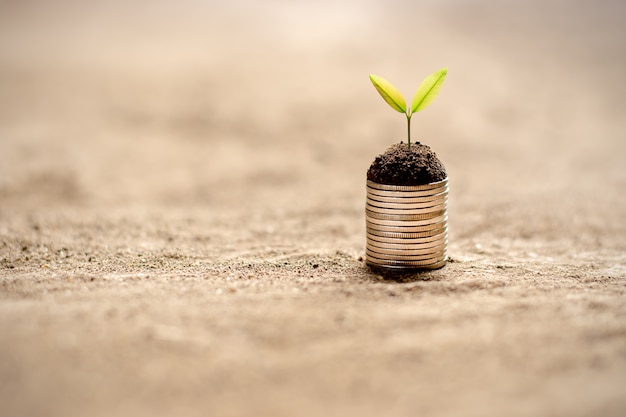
point(428, 257)
point(400, 244)
point(399, 266)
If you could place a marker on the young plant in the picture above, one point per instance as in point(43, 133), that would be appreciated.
point(425, 94)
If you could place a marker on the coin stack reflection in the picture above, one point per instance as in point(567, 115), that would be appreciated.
point(407, 226)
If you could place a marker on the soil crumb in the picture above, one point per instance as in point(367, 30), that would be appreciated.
point(400, 165)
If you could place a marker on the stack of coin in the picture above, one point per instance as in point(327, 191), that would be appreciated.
point(407, 226)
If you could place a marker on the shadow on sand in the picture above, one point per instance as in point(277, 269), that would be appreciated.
point(403, 276)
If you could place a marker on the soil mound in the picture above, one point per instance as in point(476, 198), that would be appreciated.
point(400, 165)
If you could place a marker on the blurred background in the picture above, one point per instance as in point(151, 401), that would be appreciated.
point(182, 189)
point(105, 102)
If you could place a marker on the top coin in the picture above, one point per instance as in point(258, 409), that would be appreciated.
point(423, 187)
point(424, 194)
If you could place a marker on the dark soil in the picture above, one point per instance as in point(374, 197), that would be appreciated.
point(400, 165)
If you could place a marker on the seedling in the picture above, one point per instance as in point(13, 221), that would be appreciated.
point(425, 94)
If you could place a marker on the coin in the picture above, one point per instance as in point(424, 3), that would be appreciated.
point(396, 191)
point(405, 223)
point(405, 207)
point(375, 205)
point(433, 257)
point(396, 211)
point(407, 240)
point(381, 230)
point(400, 215)
point(386, 187)
point(406, 234)
point(400, 245)
point(424, 252)
point(427, 259)
point(433, 247)
point(379, 199)
point(426, 247)
point(407, 194)
point(405, 189)
point(406, 226)
point(406, 265)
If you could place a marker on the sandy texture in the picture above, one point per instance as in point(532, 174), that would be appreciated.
point(182, 194)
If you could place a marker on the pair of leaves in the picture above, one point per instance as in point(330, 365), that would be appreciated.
point(425, 94)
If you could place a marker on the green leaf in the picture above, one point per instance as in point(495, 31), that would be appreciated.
point(428, 90)
point(389, 93)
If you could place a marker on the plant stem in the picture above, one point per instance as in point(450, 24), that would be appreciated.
point(408, 125)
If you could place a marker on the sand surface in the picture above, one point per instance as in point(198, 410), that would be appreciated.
point(182, 190)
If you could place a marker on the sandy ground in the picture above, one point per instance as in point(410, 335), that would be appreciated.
point(182, 196)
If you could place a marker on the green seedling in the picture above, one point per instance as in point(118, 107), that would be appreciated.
point(425, 94)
